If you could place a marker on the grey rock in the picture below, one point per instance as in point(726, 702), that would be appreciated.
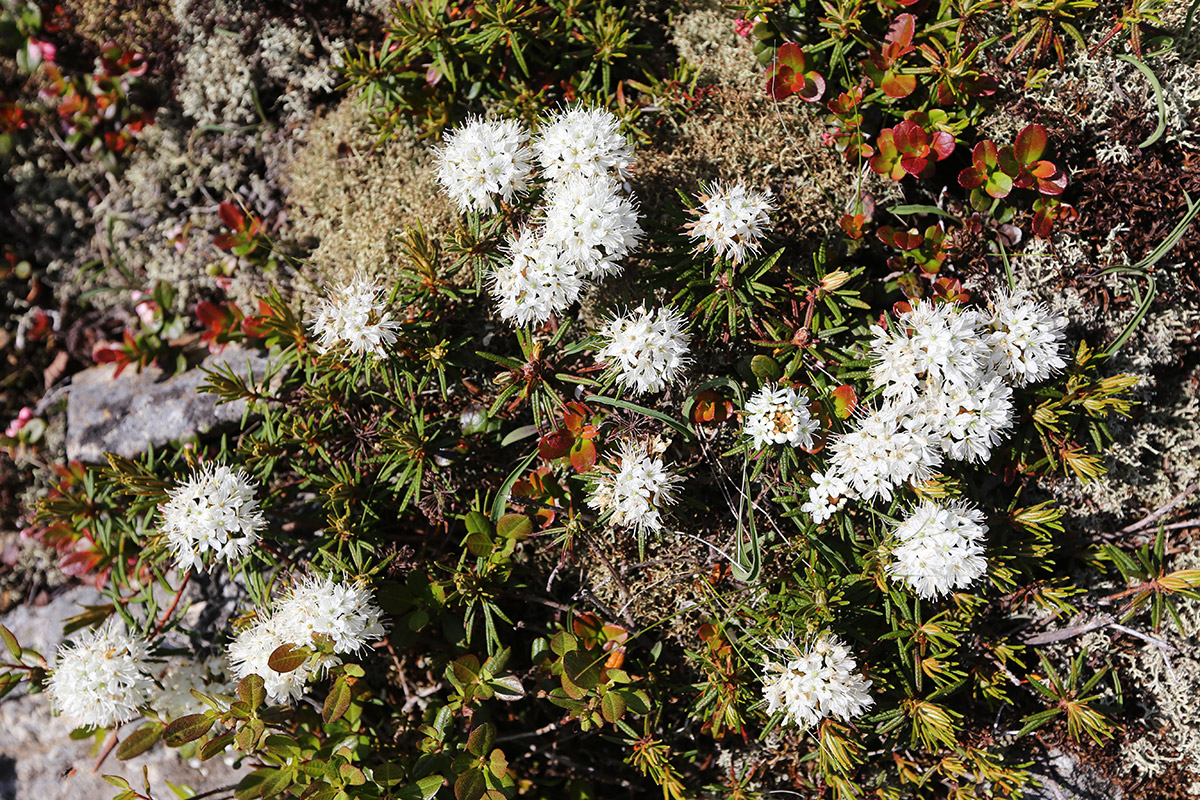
point(1064, 777)
point(128, 413)
point(38, 759)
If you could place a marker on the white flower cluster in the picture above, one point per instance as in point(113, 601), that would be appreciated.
point(939, 549)
point(482, 160)
point(316, 612)
point(1026, 340)
point(827, 495)
point(647, 350)
point(213, 511)
point(354, 317)
point(946, 374)
point(587, 223)
point(638, 490)
point(730, 221)
point(823, 682)
point(176, 700)
point(583, 141)
point(102, 678)
point(779, 415)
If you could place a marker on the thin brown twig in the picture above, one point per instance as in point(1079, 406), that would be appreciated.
point(174, 603)
point(1149, 518)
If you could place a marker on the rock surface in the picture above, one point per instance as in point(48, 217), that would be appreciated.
point(127, 414)
point(39, 761)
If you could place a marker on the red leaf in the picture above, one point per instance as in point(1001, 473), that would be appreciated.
point(813, 88)
point(779, 82)
point(225, 241)
point(853, 225)
point(791, 56)
point(1031, 143)
point(913, 165)
point(943, 145)
point(910, 137)
point(984, 156)
point(583, 455)
point(844, 401)
point(899, 85)
point(971, 178)
point(556, 445)
point(231, 215)
point(902, 30)
point(78, 563)
point(907, 240)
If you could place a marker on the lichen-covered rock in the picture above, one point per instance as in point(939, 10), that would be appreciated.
point(128, 413)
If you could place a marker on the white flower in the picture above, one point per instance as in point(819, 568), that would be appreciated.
point(637, 491)
point(779, 415)
point(250, 653)
point(970, 421)
point(583, 141)
point(176, 700)
point(939, 549)
point(592, 223)
point(101, 678)
point(354, 316)
point(213, 511)
point(482, 160)
point(731, 221)
point(1025, 338)
point(890, 446)
point(647, 350)
point(810, 686)
point(933, 343)
point(538, 282)
point(827, 495)
point(321, 607)
point(316, 612)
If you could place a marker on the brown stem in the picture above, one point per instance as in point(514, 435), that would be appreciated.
point(174, 603)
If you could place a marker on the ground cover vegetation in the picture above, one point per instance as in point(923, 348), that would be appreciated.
point(614, 453)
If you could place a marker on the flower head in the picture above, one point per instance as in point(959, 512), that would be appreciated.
point(647, 350)
point(592, 223)
point(730, 221)
point(213, 511)
point(353, 316)
point(637, 490)
point(333, 618)
point(583, 141)
point(779, 415)
point(538, 281)
point(484, 159)
point(1025, 339)
point(827, 495)
point(103, 677)
point(889, 447)
point(810, 686)
point(968, 421)
point(930, 344)
point(939, 548)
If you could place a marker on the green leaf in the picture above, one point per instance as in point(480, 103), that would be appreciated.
point(612, 707)
point(187, 729)
point(214, 747)
point(470, 785)
point(337, 702)
point(288, 658)
point(10, 642)
point(252, 691)
point(263, 783)
point(282, 746)
point(514, 526)
point(140, 741)
point(481, 739)
point(765, 368)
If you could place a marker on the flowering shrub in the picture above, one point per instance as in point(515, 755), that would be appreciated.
point(581, 498)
